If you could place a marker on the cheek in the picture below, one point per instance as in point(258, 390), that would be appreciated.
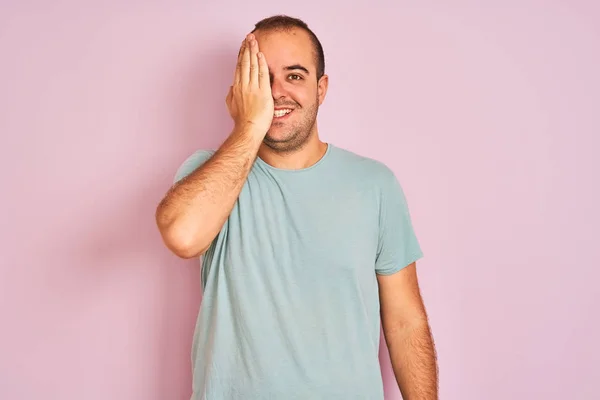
point(305, 96)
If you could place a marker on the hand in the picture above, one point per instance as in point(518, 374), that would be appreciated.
point(249, 100)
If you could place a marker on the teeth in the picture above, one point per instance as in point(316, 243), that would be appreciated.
point(281, 113)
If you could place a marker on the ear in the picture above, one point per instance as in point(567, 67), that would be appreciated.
point(322, 88)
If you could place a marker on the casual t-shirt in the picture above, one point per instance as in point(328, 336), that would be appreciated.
point(290, 306)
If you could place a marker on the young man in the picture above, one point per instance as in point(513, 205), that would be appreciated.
point(304, 245)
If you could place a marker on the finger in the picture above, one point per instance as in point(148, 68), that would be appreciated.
point(238, 66)
point(264, 80)
point(229, 94)
point(241, 49)
point(245, 69)
point(254, 63)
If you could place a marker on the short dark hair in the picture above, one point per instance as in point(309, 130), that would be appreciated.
point(284, 22)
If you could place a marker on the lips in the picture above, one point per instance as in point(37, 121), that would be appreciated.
point(282, 112)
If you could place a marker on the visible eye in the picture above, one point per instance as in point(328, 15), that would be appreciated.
point(295, 77)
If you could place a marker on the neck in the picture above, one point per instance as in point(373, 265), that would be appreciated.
point(309, 154)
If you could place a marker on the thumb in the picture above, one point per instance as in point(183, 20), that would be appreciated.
point(228, 97)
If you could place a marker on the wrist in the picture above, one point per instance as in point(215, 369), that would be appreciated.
point(250, 131)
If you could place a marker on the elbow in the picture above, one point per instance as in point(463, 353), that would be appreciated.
point(183, 245)
point(187, 253)
point(182, 242)
point(403, 331)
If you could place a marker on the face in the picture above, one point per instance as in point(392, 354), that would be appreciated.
point(293, 72)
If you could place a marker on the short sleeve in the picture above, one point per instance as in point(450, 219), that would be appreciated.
point(188, 166)
point(398, 246)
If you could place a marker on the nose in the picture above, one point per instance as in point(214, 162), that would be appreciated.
point(277, 88)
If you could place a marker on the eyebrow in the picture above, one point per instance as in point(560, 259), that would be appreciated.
point(297, 66)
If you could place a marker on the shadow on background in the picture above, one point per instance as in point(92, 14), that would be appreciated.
point(206, 124)
point(120, 240)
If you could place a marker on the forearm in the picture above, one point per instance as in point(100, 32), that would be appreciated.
point(413, 357)
point(194, 210)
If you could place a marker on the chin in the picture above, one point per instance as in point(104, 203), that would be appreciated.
point(285, 142)
point(277, 136)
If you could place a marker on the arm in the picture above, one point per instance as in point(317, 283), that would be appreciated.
point(194, 210)
point(408, 335)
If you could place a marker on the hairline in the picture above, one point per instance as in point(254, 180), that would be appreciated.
point(290, 28)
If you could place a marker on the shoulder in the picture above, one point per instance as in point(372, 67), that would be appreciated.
point(365, 168)
point(192, 162)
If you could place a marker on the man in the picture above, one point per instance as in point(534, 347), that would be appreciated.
point(304, 245)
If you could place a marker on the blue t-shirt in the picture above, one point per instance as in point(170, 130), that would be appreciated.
point(290, 306)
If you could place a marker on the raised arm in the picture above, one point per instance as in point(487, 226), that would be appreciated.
point(194, 209)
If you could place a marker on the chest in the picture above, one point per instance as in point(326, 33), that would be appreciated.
point(329, 227)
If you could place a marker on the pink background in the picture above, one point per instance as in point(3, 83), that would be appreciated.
point(487, 111)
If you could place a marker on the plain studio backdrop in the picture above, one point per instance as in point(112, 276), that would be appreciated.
point(488, 112)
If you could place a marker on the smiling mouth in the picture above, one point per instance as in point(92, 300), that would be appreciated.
point(282, 112)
